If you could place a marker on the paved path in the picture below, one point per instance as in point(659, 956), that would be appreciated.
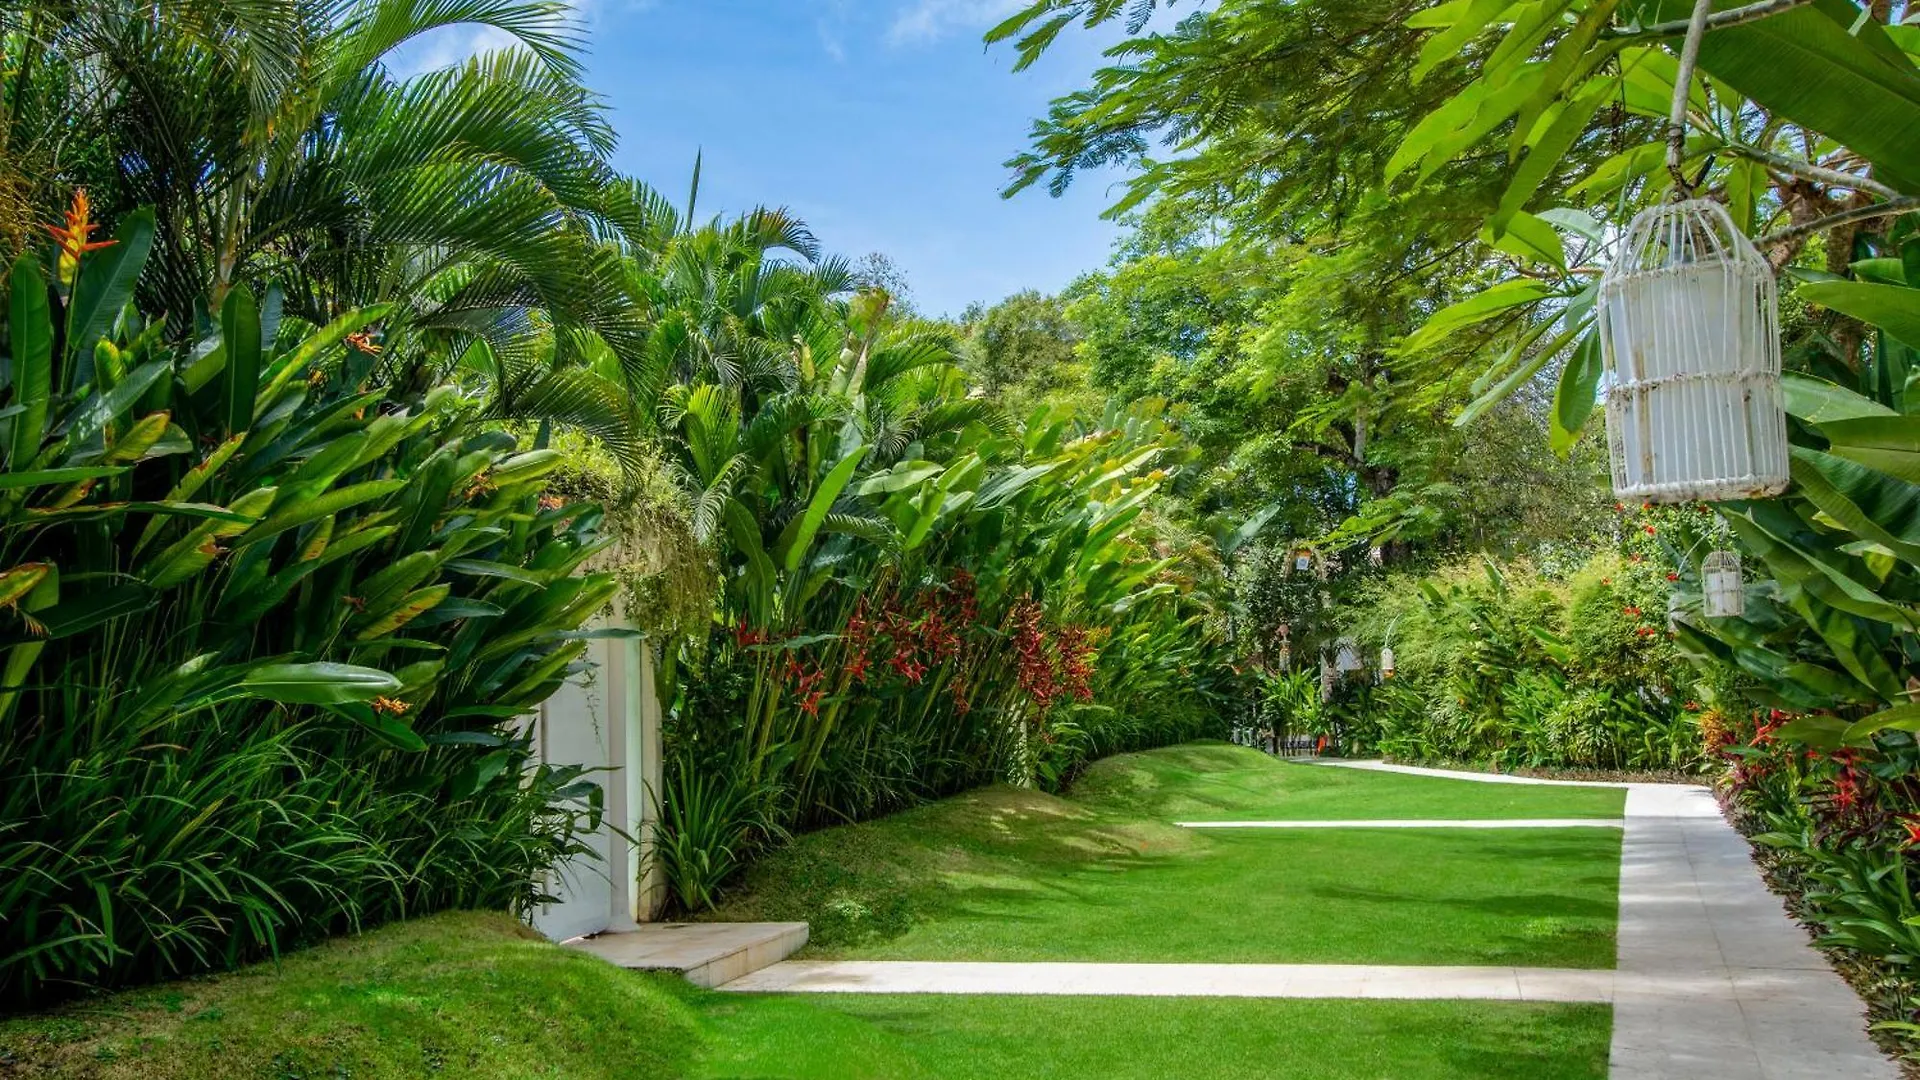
point(1713, 981)
point(1182, 980)
point(1417, 823)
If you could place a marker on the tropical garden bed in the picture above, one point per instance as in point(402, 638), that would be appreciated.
point(344, 404)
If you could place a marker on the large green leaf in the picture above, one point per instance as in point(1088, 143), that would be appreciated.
point(1826, 68)
point(322, 683)
point(105, 285)
point(798, 536)
point(1888, 443)
point(1868, 503)
point(1893, 308)
point(30, 325)
point(1578, 390)
point(1477, 308)
point(1905, 717)
point(1818, 401)
point(240, 379)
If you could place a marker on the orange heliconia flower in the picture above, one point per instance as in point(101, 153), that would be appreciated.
point(75, 237)
point(363, 341)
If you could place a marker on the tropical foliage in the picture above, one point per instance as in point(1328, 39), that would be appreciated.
point(918, 593)
point(268, 632)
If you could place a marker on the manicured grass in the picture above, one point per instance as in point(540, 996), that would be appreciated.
point(1003, 874)
point(464, 995)
point(477, 996)
point(873, 1037)
point(1218, 782)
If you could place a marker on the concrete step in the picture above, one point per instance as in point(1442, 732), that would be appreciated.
point(707, 954)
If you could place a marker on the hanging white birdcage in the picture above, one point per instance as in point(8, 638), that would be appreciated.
point(1723, 593)
point(1386, 662)
point(1689, 330)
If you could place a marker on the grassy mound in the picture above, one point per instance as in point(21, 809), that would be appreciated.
point(462, 994)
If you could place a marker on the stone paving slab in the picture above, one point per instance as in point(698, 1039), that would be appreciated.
point(1713, 980)
point(1180, 980)
point(708, 954)
point(1418, 823)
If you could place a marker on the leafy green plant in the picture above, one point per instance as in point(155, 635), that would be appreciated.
point(266, 638)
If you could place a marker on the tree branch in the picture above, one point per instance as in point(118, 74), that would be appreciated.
point(1807, 170)
point(1682, 90)
point(1731, 17)
point(1906, 204)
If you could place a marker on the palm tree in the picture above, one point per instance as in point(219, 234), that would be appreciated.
point(279, 148)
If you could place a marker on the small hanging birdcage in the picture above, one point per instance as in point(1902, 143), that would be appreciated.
point(1690, 334)
point(1723, 594)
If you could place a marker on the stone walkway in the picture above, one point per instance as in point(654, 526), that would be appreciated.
point(1417, 823)
point(1712, 982)
point(1182, 980)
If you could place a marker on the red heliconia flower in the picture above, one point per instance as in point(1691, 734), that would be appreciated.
point(75, 237)
point(743, 635)
point(1911, 823)
point(1673, 577)
point(1035, 666)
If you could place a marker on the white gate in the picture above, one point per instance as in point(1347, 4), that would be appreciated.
point(607, 718)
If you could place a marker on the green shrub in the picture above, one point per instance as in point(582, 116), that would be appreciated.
point(1500, 664)
point(265, 640)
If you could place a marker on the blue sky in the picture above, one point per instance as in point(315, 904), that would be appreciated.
point(882, 123)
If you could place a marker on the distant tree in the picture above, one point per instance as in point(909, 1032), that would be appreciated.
point(878, 270)
point(1026, 340)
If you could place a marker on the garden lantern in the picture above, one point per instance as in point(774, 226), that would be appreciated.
point(1386, 662)
point(1725, 597)
point(1690, 336)
point(1303, 559)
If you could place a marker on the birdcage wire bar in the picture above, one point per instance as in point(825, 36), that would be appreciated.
point(1689, 336)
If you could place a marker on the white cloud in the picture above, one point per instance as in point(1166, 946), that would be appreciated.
point(446, 47)
point(451, 45)
point(930, 20)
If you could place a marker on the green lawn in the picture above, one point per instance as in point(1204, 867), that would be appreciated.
point(476, 996)
point(876, 1037)
point(997, 874)
point(1217, 782)
point(1003, 874)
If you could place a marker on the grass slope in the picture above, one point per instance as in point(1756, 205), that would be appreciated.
point(478, 996)
point(1006, 874)
point(1217, 782)
point(468, 995)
